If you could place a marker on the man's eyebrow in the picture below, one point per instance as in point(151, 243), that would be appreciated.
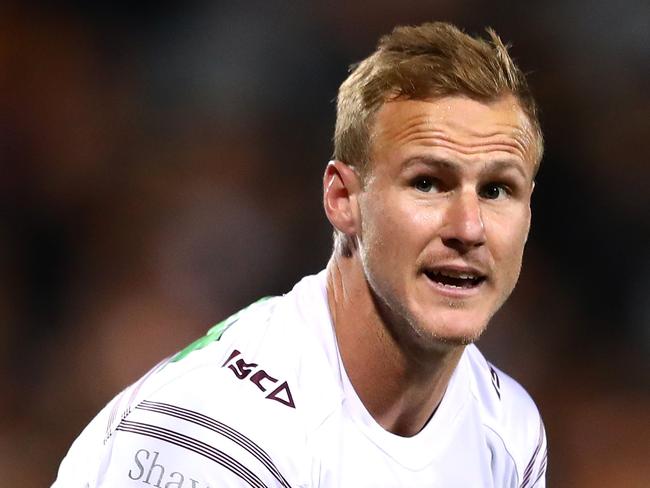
point(431, 161)
point(489, 167)
point(503, 165)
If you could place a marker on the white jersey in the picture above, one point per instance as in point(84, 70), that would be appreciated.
point(263, 400)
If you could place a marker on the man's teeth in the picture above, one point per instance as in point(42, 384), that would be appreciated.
point(453, 274)
point(455, 279)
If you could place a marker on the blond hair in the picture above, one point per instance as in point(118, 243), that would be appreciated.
point(431, 60)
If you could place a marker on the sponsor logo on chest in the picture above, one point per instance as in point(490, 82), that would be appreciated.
point(150, 471)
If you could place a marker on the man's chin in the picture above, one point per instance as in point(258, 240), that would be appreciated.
point(426, 345)
point(455, 340)
point(450, 334)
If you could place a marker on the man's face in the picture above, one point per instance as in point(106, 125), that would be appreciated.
point(445, 213)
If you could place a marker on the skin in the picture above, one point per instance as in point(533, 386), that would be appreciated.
point(448, 190)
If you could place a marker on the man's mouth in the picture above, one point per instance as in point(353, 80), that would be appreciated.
point(465, 279)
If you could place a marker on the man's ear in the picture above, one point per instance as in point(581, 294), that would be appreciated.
point(341, 188)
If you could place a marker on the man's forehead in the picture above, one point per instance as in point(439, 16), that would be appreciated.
point(402, 121)
point(457, 111)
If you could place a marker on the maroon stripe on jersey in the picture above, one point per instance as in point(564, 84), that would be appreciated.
point(542, 470)
point(219, 428)
point(134, 391)
point(112, 416)
point(529, 468)
point(195, 446)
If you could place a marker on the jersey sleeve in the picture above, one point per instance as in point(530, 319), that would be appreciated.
point(210, 429)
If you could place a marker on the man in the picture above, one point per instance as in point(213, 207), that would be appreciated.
point(365, 375)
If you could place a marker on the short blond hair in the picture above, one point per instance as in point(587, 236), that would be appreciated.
point(431, 60)
point(427, 61)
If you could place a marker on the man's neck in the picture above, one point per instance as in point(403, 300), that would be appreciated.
point(400, 387)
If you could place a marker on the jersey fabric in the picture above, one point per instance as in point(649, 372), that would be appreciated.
point(263, 400)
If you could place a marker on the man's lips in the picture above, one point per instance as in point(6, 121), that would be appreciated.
point(455, 277)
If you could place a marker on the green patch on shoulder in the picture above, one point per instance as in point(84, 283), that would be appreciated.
point(215, 332)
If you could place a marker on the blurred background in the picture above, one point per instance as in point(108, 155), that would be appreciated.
point(160, 168)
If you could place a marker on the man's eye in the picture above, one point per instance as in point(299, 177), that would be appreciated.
point(425, 184)
point(494, 191)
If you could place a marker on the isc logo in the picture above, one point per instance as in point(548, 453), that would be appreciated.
point(259, 378)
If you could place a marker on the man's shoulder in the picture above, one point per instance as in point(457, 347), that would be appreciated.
point(263, 357)
point(198, 420)
point(509, 415)
point(244, 397)
point(498, 392)
point(242, 363)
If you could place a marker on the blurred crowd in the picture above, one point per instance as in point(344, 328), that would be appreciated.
point(160, 168)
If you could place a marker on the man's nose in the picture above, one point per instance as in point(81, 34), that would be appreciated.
point(463, 228)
